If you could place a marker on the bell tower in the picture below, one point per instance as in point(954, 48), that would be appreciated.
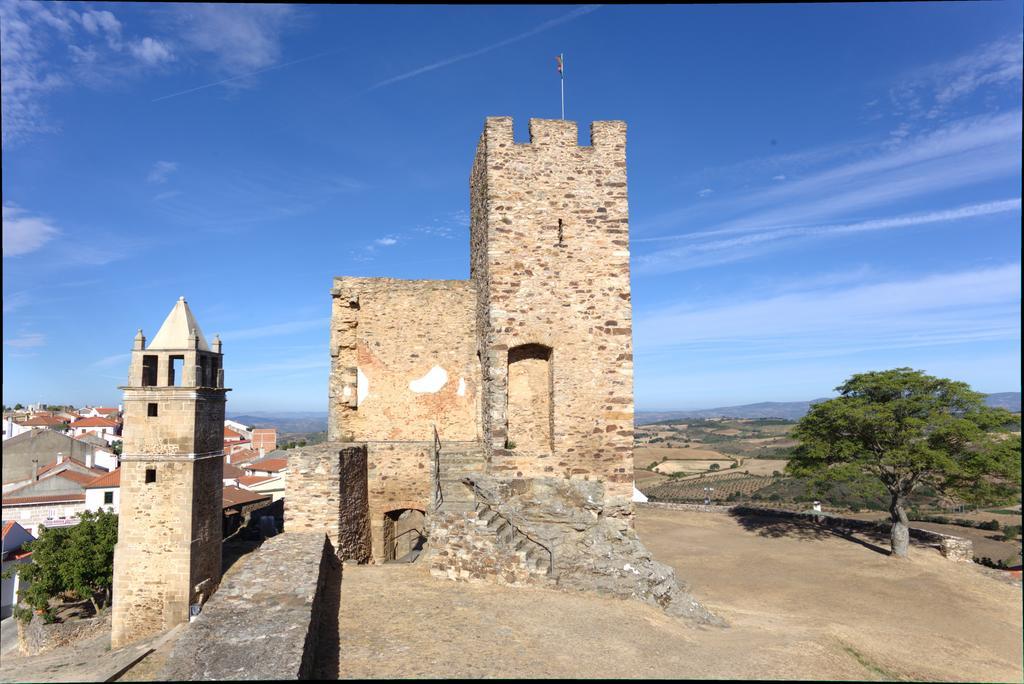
point(168, 553)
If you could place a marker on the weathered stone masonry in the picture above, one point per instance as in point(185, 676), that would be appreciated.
point(168, 553)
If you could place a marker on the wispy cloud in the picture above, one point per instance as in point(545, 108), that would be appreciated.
point(931, 310)
point(713, 252)
point(24, 233)
point(161, 171)
point(114, 360)
point(928, 92)
point(274, 330)
point(705, 192)
point(540, 28)
point(386, 241)
point(26, 341)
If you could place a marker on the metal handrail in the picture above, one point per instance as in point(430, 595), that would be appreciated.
point(438, 493)
point(482, 500)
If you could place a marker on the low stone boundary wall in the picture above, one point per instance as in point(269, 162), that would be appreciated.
point(37, 637)
point(270, 619)
point(952, 548)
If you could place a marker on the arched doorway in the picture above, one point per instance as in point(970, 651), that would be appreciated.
point(404, 535)
point(530, 416)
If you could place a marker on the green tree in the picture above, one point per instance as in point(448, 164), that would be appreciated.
point(18, 407)
point(714, 466)
point(77, 559)
point(907, 429)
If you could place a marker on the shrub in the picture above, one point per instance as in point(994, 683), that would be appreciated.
point(990, 525)
point(714, 466)
point(735, 465)
point(1011, 532)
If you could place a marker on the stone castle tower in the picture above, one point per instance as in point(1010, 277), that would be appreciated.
point(549, 250)
point(168, 553)
point(523, 371)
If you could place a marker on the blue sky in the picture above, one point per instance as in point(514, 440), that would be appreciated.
point(815, 190)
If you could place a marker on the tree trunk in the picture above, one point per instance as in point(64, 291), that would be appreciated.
point(900, 527)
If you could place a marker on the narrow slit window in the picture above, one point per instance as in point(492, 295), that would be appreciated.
point(150, 475)
point(561, 235)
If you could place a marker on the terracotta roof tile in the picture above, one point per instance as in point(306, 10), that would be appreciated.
point(94, 422)
point(250, 480)
point(49, 498)
point(111, 479)
point(235, 496)
point(270, 465)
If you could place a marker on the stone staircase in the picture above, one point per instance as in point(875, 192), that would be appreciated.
point(471, 538)
point(457, 462)
point(532, 555)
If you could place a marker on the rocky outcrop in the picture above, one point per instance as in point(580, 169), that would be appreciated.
point(581, 544)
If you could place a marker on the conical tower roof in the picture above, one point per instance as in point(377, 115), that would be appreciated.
point(176, 332)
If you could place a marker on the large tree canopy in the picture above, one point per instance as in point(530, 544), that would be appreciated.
point(78, 559)
point(910, 429)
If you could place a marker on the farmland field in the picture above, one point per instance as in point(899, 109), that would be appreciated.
point(691, 466)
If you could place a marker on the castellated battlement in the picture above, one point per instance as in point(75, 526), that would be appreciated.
point(547, 133)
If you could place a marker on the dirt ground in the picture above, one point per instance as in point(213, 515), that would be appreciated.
point(643, 456)
point(802, 604)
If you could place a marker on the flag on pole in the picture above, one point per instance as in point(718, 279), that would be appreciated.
point(561, 75)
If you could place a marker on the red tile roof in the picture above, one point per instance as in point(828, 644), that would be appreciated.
point(236, 496)
point(40, 421)
point(231, 434)
point(233, 471)
point(94, 422)
point(243, 455)
point(76, 477)
point(103, 409)
point(49, 498)
point(270, 465)
point(111, 479)
point(8, 526)
point(250, 480)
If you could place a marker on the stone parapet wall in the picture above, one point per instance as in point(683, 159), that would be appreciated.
point(326, 492)
point(272, 618)
point(37, 637)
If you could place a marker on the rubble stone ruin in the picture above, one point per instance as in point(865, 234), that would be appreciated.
point(486, 425)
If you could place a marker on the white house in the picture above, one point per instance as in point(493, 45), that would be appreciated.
point(240, 428)
point(14, 538)
point(101, 427)
point(12, 428)
point(104, 493)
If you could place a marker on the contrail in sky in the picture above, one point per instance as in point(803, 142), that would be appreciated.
point(254, 73)
point(540, 28)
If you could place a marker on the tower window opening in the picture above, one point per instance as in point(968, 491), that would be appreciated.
point(149, 370)
point(151, 410)
point(560, 234)
point(175, 369)
point(150, 475)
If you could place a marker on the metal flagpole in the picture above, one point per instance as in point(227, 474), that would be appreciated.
point(561, 73)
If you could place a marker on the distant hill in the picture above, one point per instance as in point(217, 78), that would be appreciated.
point(285, 421)
point(789, 410)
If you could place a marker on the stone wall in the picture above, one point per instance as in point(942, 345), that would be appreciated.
point(403, 359)
point(37, 637)
point(274, 618)
point(550, 253)
point(398, 476)
point(326, 492)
